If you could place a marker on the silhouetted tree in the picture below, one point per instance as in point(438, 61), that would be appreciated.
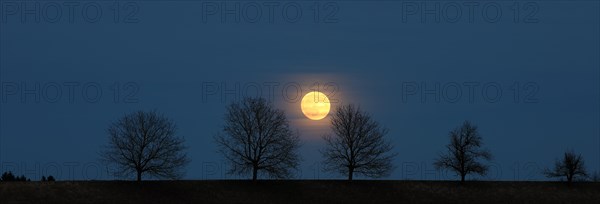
point(44, 178)
point(257, 138)
point(145, 142)
point(357, 145)
point(571, 166)
point(51, 178)
point(464, 152)
point(8, 176)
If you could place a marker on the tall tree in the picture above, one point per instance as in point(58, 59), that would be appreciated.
point(256, 138)
point(145, 143)
point(464, 152)
point(357, 145)
point(571, 166)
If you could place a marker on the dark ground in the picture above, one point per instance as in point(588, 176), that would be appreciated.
point(298, 191)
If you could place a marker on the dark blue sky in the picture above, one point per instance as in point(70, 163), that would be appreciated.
point(381, 55)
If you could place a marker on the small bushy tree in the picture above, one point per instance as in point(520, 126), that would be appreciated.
point(8, 176)
point(464, 153)
point(571, 167)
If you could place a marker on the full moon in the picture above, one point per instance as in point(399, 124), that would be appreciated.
point(315, 105)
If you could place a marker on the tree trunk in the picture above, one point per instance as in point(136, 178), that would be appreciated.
point(350, 173)
point(254, 173)
point(462, 178)
point(139, 176)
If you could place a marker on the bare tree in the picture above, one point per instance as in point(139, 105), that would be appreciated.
point(357, 145)
point(464, 152)
point(145, 142)
point(571, 167)
point(256, 138)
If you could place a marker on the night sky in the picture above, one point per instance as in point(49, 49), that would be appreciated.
point(530, 79)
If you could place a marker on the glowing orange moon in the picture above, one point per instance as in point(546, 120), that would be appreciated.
point(315, 105)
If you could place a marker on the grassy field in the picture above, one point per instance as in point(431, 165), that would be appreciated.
point(300, 191)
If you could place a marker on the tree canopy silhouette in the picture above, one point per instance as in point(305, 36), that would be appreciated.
point(357, 145)
point(571, 167)
point(257, 138)
point(10, 177)
point(145, 143)
point(464, 152)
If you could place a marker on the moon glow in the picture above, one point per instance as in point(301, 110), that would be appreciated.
point(315, 105)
